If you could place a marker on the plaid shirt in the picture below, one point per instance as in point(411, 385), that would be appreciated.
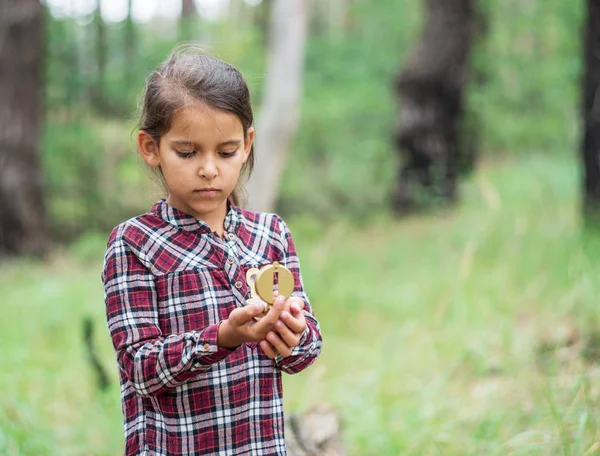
point(169, 281)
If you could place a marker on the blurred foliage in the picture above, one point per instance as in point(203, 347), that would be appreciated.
point(93, 175)
point(343, 160)
point(532, 63)
point(471, 332)
point(476, 326)
point(524, 99)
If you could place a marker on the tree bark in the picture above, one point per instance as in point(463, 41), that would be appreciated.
point(260, 19)
point(23, 227)
point(278, 120)
point(590, 146)
point(99, 94)
point(85, 64)
point(130, 45)
point(188, 8)
point(187, 19)
point(430, 91)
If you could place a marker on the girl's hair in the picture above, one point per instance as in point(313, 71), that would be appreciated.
point(189, 75)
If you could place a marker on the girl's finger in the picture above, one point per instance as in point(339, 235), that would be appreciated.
point(242, 315)
point(279, 344)
point(290, 338)
point(267, 322)
point(297, 305)
point(268, 349)
point(296, 323)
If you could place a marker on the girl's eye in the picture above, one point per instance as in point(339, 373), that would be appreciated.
point(228, 154)
point(185, 154)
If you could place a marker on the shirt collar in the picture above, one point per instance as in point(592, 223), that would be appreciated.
point(187, 222)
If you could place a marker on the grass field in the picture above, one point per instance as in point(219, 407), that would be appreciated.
point(468, 332)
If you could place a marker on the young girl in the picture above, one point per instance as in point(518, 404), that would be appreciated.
point(199, 374)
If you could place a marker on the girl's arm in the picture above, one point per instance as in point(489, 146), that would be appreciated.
point(309, 347)
point(152, 361)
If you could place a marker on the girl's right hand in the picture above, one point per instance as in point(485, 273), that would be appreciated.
point(241, 326)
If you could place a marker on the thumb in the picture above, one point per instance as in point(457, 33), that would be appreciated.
point(272, 316)
point(248, 312)
point(256, 308)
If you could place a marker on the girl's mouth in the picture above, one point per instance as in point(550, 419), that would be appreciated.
point(208, 191)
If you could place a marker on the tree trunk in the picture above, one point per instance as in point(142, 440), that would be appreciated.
point(187, 19)
point(188, 8)
point(23, 227)
point(590, 147)
point(99, 95)
point(430, 91)
point(260, 19)
point(130, 45)
point(278, 119)
point(85, 64)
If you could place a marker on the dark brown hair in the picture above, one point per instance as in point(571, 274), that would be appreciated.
point(188, 75)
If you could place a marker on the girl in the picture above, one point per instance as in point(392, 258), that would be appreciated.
point(199, 374)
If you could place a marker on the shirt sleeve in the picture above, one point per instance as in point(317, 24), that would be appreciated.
point(152, 361)
point(309, 347)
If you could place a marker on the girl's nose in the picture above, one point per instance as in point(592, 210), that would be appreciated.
point(208, 170)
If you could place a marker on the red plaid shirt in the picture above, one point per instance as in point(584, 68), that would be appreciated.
point(169, 281)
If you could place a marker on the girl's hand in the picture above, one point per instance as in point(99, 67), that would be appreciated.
point(287, 330)
point(241, 326)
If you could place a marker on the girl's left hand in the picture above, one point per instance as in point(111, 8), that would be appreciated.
point(287, 330)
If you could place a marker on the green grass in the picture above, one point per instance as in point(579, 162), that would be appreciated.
point(469, 331)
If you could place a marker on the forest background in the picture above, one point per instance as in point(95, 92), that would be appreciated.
point(469, 328)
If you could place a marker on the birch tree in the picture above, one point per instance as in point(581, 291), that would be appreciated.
point(279, 115)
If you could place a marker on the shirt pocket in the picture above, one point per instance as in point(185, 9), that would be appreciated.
point(191, 300)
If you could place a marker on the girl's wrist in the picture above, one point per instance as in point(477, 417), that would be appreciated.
point(225, 336)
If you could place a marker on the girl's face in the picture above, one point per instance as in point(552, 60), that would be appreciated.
point(201, 158)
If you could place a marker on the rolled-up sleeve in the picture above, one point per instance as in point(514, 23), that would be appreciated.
point(152, 361)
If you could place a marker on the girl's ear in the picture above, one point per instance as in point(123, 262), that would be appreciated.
point(248, 143)
point(148, 148)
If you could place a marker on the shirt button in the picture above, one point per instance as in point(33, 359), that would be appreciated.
point(238, 285)
point(230, 236)
point(230, 260)
point(206, 347)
